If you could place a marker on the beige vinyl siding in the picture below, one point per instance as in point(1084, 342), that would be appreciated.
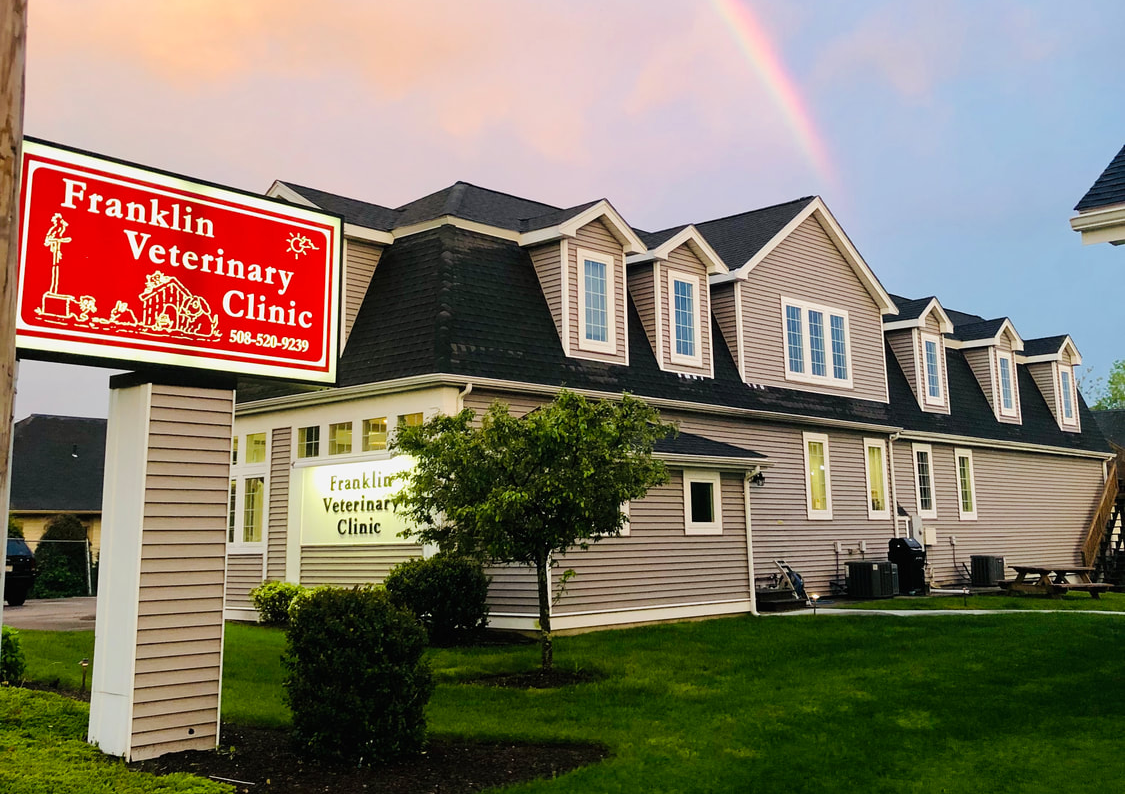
point(657, 564)
point(518, 404)
point(726, 315)
point(277, 511)
point(642, 290)
point(1032, 508)
point(513, 590)
point(596, 237)
point(906, 346)
point(345, 566)
point(362, 259)
point(781, 527)
point(547, 261)
point(244, 573)
point(683, 260)
point(179, 636)
point(807, 266)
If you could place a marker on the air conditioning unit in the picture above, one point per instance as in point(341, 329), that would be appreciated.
point(985, 570)
point(872, 579)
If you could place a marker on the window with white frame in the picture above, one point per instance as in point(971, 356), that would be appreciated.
point(340, 438)
point(246, 507)
point(924, 480)
point(308, 441)
point(1068, 399)
point(684, 291)
point(816, 343)
point(374, 434)
point(703, 514)
point(933, 391)
point(818, 479)
point(256, 448)
point(966, 490)
point(596, 319)
point(1007, 382)
point(875, 461)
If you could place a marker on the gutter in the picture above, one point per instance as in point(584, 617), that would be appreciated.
point(749, 540)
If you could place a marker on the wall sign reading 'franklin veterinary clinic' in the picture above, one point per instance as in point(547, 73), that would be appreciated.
point(351, 503)
point(126, 264)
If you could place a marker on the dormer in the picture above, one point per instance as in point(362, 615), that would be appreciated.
point(916, 336)
point(990, 348)
point(670, 288)
point(1051, 361)
point(579, 256)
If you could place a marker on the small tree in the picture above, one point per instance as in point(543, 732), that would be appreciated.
point(61, 559)
point(520, 490)
point(1112, 393)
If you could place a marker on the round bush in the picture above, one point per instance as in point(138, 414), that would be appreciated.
point(446, 592)
point(60, 558)
point(272, 600)
point(355, 680)
point(12, 663)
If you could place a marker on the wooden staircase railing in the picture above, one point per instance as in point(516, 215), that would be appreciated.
point(1100, 521)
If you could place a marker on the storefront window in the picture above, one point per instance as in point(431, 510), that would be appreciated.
point(340, 438)
point(374, 434)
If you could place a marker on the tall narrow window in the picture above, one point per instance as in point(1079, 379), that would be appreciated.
point(794, 339)
point(931, 346)
point(685, 317)
point(924, 477)
point(876, 463)
point(234, 451)
point(818, 483)
point(816, 343)
point(1066, 383)
point(374, 434)
point(967, 503)
point(1007, 385)
point(596, 309)
point(232, 513)
point(252, 509)
point(340, 438)
point(839, 348)
point(256, 448)
point(308, 441)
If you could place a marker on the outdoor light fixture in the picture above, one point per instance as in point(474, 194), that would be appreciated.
point(85, 664)
point(814, 597)
point(758, 479)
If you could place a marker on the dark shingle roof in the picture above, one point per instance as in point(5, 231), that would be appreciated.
point(656, 239)
point(473, 203)
point(985, 329)
point(58, 463)
point(1112, 425)
point(691, 444)
point(1109, 188)
point(737, 238)
point(554, 218)
point(909, 309)
point(1044, 345)
point(361, 213)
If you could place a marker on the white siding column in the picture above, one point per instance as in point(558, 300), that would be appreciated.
point(159, 632)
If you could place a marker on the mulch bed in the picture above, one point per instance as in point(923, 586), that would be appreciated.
point(261, 760)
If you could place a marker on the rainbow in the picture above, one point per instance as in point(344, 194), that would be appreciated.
point(755, 45)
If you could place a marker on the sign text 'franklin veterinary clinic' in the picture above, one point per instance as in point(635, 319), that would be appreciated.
point(119, 262)
point(352, 503)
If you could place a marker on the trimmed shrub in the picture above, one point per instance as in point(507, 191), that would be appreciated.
point(355, 679)
point(272, 600)
point(14, 529)
point(446, 592)
point(12, 663)
point(60, 557)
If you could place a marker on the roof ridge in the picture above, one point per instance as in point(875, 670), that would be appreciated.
point(300, 187)
point(747, 212)
point(550, 207)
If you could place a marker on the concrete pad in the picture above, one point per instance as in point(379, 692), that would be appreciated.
point(53, 614)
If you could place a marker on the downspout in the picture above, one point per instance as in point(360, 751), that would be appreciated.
point(749, 540)
point(461, 395)
point(894, 482)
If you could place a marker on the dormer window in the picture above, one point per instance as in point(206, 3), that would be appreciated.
point(1066, 383)
point(686, 342)
point(596, 320)
point(931, 347)
point(1007, 384)
point(816, 344)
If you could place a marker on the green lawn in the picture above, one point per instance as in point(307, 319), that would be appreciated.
point(836, 703)
point(1107, 602)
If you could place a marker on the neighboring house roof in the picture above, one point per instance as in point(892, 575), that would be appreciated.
point(58, 463)
point(1112, 424)
point(1109, 188)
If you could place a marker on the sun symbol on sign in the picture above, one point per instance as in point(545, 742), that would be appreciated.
point(299, 245)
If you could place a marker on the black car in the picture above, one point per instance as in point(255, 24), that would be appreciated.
point(19, 572)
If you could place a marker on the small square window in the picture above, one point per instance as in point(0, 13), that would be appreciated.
point(374, 434)
point(256, 448)
point(702, 503)
point(308, 441)
point(410, 420)
point(340, 438)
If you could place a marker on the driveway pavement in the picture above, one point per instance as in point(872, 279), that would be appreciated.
point(52, 614)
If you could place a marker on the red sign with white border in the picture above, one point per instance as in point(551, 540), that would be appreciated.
point(125, 264)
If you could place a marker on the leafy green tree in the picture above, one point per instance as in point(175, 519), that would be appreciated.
point(1112, 394)
point(520, 490)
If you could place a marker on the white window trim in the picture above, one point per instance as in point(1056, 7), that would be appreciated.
point(927, 398)
point(610, 345)
point(931, 513)
point(1014, 411)
point(885, 513)
point(703, 527)
point(1063, 420)
point(965, 515)
point(807, 377)
point(240, 472)
point(826, 513)
point(695, 360)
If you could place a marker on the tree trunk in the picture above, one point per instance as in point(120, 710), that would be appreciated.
point(547, 652)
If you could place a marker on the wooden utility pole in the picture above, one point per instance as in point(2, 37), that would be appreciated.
point(13, 37)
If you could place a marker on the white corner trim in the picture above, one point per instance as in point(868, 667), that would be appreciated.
point(282, 191)
point(699, 246)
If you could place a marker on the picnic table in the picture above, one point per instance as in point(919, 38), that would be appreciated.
point(1054, 580)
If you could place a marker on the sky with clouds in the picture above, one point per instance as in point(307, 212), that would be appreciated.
point(950, 139)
